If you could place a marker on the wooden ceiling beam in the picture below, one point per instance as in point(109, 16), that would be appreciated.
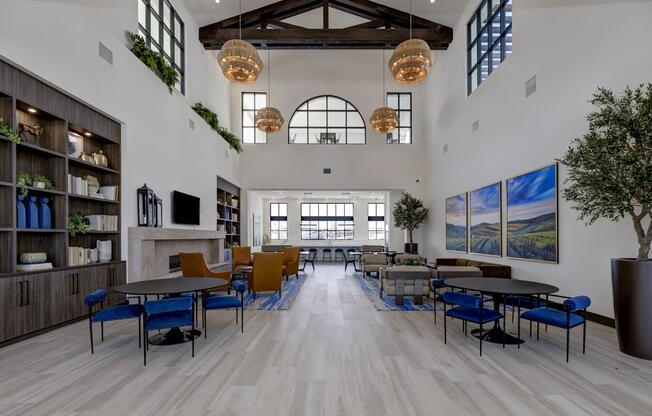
point(282, 25)
point(372, 24)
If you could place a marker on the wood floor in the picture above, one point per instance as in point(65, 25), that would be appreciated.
point(331, 354)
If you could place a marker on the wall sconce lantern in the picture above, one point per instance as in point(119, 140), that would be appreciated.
point(150, 207)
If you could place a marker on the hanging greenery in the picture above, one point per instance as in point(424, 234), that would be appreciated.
point(77, 223)
point(153, 60)
point(211, 118)
point(5, 130)
point(23, 180)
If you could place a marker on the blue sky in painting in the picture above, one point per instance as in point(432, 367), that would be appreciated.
point(456, 210)
point(485, 205)
point(531, 194)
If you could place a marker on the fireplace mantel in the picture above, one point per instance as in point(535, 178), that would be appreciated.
point(150, 249)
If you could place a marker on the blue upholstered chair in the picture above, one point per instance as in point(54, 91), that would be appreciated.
point(112, 313)
point(212, 301)
point(168, 313)
point(339, 254)
point(469, 308)
point(572, 314)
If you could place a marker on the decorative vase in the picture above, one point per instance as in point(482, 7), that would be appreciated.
point(104, 249)
point(411, 248)
point(21, 214)
point(93, 255)
point(632, 289)
point(101, 159)
point(39, 185)
point(31, 211)
point(44, 214)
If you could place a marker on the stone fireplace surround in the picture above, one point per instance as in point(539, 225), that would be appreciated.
point(150, 249)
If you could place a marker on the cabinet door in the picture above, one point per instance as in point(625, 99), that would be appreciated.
point(7, 308)
point(33, 303)
point(60, 294)
point(89, 279)
point(74, 294)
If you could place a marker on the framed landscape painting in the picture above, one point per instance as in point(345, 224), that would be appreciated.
point(486, 220)
point(532, 216)
point(456, 223)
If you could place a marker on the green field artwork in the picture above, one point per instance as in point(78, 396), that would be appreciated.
point(486, 222)
point(456, 223)
point(532, 215)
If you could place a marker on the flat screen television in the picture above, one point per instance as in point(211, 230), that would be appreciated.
point(185, 208)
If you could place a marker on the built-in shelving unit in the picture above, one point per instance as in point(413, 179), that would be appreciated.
point(55, 295)
point(228, 211)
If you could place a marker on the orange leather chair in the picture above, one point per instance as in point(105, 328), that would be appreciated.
point(194, 265)
point(291, 261)
point(267, 273)
point(241, 256)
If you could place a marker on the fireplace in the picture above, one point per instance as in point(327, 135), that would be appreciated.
point(175, 263)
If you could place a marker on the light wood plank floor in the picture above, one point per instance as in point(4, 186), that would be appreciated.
point(331, 354)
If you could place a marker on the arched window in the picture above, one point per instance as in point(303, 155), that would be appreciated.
point(327, 120)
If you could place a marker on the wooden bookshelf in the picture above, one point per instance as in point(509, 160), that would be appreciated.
point(57, 293)
point(228, 211)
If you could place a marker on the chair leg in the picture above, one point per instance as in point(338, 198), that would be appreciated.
point(242, 316)
point(140, 328)
point(102, 330)
point(518, 344)
point(584, 337)
point(538, 325)
point(567, 343)
point(445, 323)
point(145, 349)
point(90, 328)
point(236, 316)
point(192, 334)
point(434, 307)
point(205, 326)
point(481, 339)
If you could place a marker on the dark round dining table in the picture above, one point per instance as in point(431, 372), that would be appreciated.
point(498, 289)
point(174, 287)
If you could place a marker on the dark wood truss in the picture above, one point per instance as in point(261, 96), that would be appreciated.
point(386, 28)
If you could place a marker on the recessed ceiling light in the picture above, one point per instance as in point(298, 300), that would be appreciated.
point(31, 110)
point(88, 134)
point(217, 1)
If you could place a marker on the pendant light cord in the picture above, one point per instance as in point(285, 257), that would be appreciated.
point(240, 18)
point(383, 75)
point(410, 19)
point(269, 76)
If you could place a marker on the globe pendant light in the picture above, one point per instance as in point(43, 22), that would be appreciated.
point(411, 60)
point(239, 59)
point(269, 119)
point(384, 119)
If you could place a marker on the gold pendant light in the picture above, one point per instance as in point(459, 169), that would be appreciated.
point(411, 60)
point(239, 59)
point(269, 119)
point(384, 119)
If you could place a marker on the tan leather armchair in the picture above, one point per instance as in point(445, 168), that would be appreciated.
point(291, 261)
point(194, 265)
point(240, 256)
point(372, 263)
point(267, 273)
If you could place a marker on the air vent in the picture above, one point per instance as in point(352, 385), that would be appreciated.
point(191, 124)
point(476, 125)
point(106, 54)
point(530, 86)
point(327, 171)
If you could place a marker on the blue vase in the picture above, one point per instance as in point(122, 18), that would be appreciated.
point(44, 214)
point(21, 215)
point(32, 212)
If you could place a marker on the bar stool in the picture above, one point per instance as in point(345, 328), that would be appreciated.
point(326, 251)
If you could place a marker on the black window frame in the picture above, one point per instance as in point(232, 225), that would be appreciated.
point(400, 127)
point(375, 219)
point(156, 42)
point(503, 7)
point(278, 219)
point(346, 127)
point(346, 222)
point(242, 116)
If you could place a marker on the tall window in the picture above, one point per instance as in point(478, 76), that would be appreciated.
point(327, 120)
point(376, 218)
point(252, 102)
point(162, 28)
point(278, 221)
point(327, 221)
point(489, 34)
point(402, 103)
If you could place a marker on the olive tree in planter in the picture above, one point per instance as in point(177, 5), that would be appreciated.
point(410, 214)
point(610, 176)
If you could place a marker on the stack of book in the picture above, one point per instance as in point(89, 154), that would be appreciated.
point(77, 185)
point(77, 256)
point(110, 192)
point(103, 222)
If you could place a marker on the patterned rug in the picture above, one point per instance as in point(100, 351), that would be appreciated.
point(270, 301)
point(371, 287)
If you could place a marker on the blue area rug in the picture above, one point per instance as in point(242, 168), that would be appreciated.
point(371, 287)
point(270, 301)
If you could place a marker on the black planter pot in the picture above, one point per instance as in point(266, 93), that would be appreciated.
point(632, 291)
point(411, 248)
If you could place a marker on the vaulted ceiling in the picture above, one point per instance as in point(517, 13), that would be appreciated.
point(326, 24)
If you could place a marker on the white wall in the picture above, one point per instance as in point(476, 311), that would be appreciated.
point(572, 47)
point(58, 41)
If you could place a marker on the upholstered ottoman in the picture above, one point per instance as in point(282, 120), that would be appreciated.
point(399, 281)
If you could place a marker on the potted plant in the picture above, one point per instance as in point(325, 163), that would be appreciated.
point(42, 182)
point(610, 176)
point(410, 214)
point(23, 180)
point(78, 224)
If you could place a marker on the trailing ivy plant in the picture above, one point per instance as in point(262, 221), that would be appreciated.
point(610, 166)
point(5, 130)
point(23, 180)
point(77, 223)
point(211, 119)
point(153, 60)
